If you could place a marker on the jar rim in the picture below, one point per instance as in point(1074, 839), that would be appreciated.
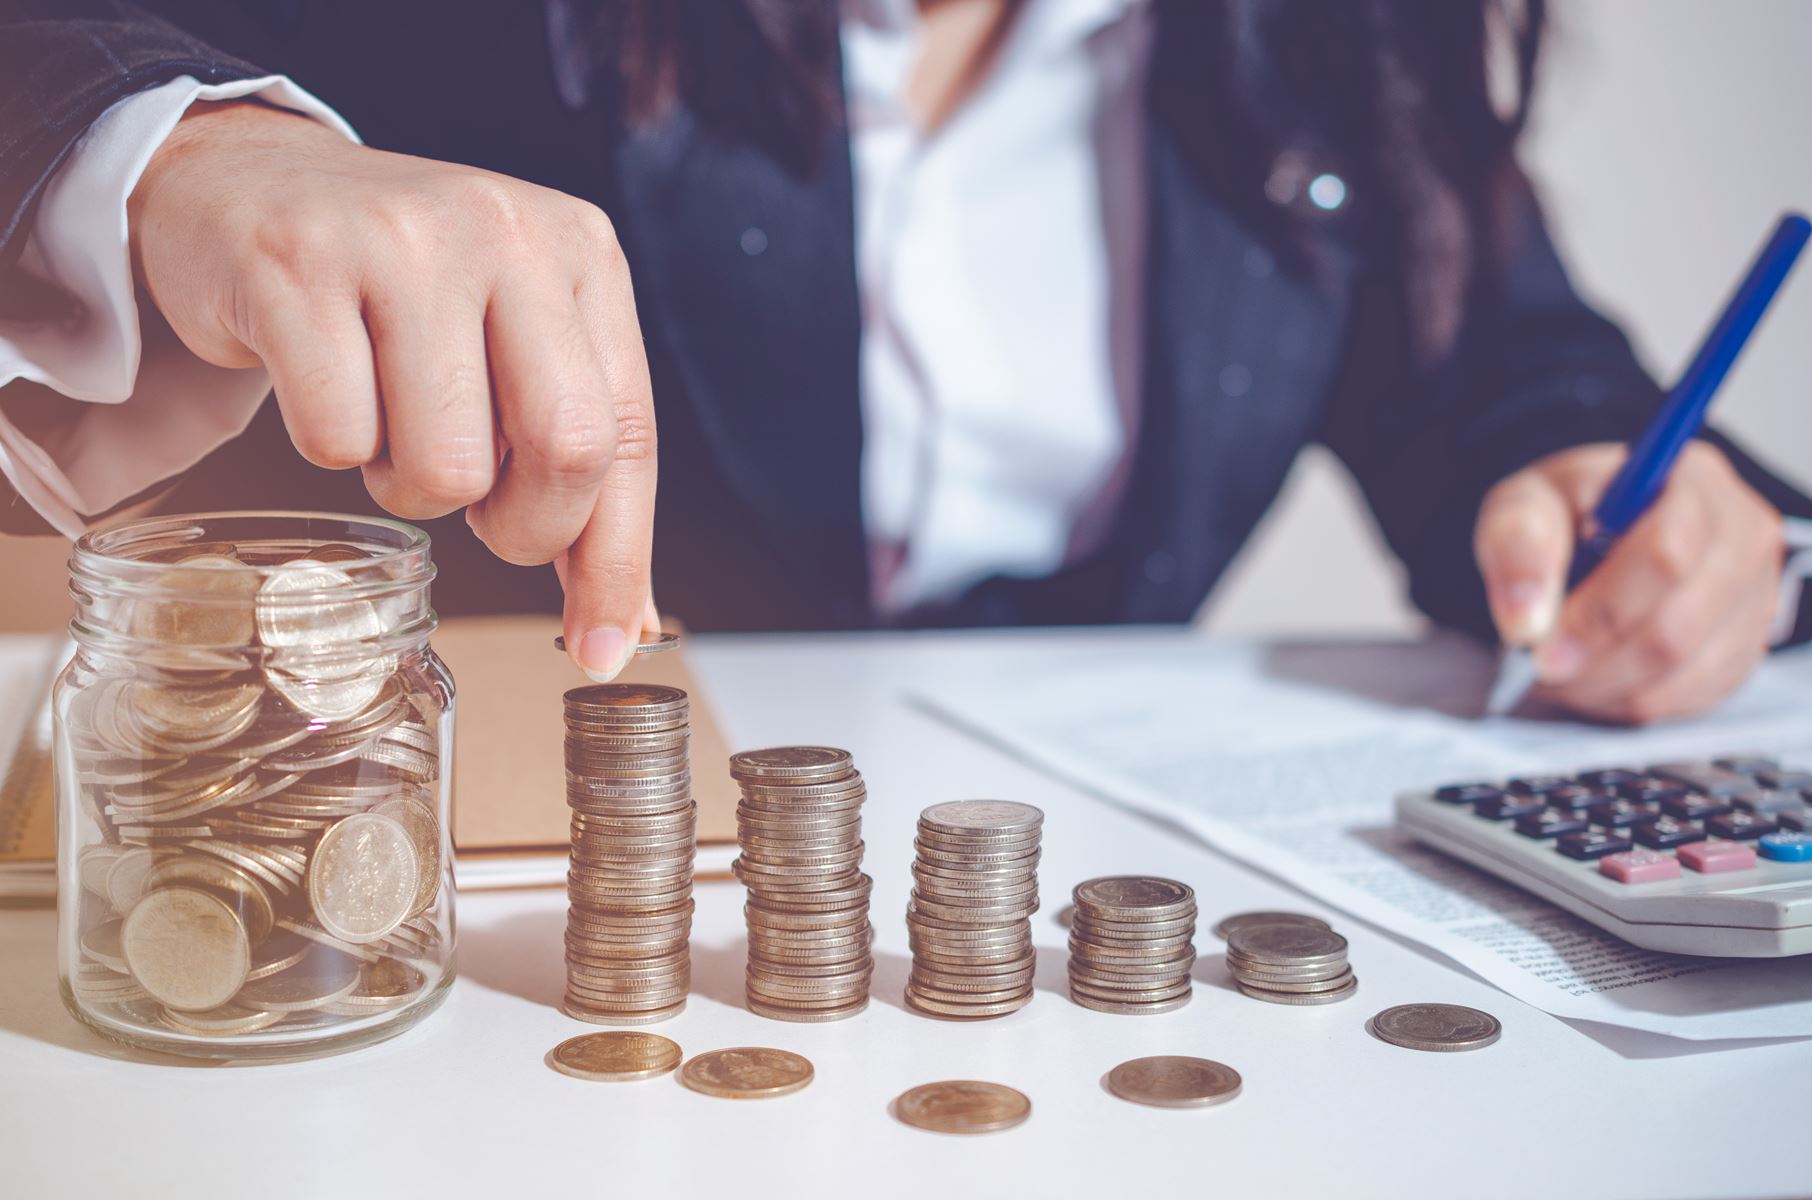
point(100, 548)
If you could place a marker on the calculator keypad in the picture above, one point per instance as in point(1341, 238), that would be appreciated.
point(1643, 826)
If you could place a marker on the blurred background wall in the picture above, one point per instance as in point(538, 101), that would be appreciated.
point(1668, 135)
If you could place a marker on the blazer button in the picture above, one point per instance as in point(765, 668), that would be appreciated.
point(754, 241)
point(1160, 566)
point(1235, 380)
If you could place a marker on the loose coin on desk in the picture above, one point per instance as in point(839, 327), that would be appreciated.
point(617, 1057)
point(653, 645)
point(1174, 1081)
point(962, 1106)
point(1440, 1028)
point(746, 1073)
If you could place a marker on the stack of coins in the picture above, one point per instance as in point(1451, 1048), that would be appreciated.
point(975, 886)
point(1131, 944)
point(270, 848)
point(1290, 963)
point(629, 784)
point(799, 824)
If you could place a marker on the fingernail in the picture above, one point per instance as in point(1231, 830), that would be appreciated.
point(1559, 659)
point(1526, 611)
point(602, 653)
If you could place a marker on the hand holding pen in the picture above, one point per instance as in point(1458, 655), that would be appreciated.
point(1639, 583)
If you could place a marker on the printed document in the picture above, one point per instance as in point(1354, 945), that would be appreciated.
point(1289, 756)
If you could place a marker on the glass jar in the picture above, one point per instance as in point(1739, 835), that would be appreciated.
point(253, 752)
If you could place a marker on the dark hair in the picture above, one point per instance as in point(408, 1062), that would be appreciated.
point(1416, 104)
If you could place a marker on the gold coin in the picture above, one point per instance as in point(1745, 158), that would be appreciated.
point(964, 1106)
point(615, 1057)
point(746, 1073)
point(1174, 1081)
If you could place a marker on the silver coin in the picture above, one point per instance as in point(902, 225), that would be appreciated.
point(1440, 1028)
point(1228, 924)
point(363, 877)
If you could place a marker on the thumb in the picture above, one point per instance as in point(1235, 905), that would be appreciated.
point(1523, 542)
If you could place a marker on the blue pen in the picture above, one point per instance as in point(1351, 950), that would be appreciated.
point(1644, 473)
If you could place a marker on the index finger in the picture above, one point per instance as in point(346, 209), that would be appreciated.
point(606, 573)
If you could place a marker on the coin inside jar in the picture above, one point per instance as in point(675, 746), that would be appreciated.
point(1174, 1081)
point(616, 1057)
point(962, 1106)
point(363, 877)
point(186, 947)
point(746, 1073)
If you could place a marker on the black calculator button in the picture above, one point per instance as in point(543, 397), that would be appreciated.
point(1695, 806)
point(1746, 764)
point(1539, 785)
point(1786, 781)
point(1575, 796)
point(1739, 826)
point(1665, 831)
point(1465, 793)
point(1620, 814)
point(1506, 805)
point(1593, 843)
point(1709, 778)
point(1795, 820)
point(1551, 822)
point(1767, 803)
point(1609, 778)
point(1651, 791)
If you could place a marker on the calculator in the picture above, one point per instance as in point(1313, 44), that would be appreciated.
point(1709, 857)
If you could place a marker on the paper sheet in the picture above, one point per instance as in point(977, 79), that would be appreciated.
point(1289, 758)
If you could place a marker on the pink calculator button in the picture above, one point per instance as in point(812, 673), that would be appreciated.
point(1717, 855)
point(1640, 866)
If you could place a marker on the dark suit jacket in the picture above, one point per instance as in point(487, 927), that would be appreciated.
point(754, 356)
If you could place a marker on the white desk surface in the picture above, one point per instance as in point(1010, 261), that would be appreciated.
point(464, 1105)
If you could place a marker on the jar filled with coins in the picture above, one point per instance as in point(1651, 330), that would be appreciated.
point(253, 743)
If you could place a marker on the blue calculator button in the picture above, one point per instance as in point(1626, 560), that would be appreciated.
point(1551, 822)
point(1746, 764)
point(1465, 793)
point(1593, 843)
point(1695, 806)
point(1666, 832)
point(1739, 826)
point(1786, 847)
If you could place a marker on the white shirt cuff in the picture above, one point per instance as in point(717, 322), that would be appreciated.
point(152, 409)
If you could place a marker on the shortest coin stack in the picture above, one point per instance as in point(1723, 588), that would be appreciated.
point(800, 828)
point(975, 886)
point(629, 784)
point(1290, 963)
point(1131, 944)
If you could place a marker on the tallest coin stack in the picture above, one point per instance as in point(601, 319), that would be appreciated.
point(629, 784)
